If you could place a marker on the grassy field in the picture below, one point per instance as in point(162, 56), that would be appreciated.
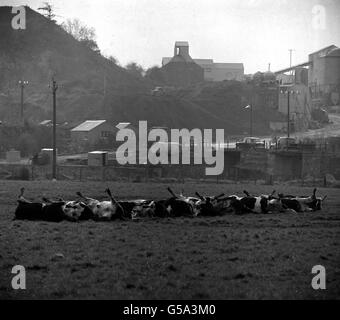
point(230, 257)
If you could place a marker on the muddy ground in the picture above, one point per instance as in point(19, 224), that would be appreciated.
point(229, 257)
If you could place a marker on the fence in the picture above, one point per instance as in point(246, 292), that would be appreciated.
point(114, 173)
point(253, 166)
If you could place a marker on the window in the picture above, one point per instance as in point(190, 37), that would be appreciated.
point(106, 134)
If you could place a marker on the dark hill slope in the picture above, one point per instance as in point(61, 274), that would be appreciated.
point(44, 49)
point(168, 111)
point(92, 87)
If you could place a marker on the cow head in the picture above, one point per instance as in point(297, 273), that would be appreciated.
point(104, 210)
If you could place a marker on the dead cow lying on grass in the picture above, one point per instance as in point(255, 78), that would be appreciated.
point(86, 208)
point(54, 211)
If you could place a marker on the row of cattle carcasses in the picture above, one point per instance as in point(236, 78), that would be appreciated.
point(85, 208)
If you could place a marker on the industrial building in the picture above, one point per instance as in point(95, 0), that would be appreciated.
point(324, 75)
point(212, 71)
point(321, 74)
point(181, 70)
point(92, 131)
point(311, 85)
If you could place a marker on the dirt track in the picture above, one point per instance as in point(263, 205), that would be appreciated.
point(238, 257)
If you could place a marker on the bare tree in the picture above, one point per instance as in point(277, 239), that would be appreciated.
point(81, 32)
point(48, 11)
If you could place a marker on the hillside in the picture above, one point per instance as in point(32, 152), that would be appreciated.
point(44, 49)
point(93, 87)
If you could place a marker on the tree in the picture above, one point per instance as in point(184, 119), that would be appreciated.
point(81, 32)
point(156, 74)
point(49, 11)
point(135, 69)
point(113, 59)
point(27, 144)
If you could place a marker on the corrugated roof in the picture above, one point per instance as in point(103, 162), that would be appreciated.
point(45, 122)
point(324, 49)
point(122, 125)
point(88, 125)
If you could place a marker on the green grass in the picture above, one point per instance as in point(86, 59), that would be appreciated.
point(230, 257)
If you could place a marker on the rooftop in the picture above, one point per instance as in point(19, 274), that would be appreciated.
point(324, 49)
point(229, 65)
point(45, 122)
point(204, 61)
point(182, 43)
point(88, 125)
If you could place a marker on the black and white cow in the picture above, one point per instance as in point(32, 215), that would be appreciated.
point(49, 210)
point(26, 209)
point(178, 206)
point(249, 203)
point(303, 203)
point(211, 206)
point(104, 210)
point(139, 208)
point(255, 204)
point(38, 211)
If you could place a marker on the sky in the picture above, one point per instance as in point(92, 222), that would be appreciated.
point(253, 32)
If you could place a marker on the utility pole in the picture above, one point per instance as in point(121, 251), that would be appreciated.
point(288, 114)
point(22, 84)
point(54, 88)
point(251, 119)
point(291, 59)
point(250, 107)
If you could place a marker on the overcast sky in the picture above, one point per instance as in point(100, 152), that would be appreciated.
point(254, 32)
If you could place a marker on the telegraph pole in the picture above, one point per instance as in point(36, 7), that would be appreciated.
point(251, 119)
point(288, 114)
point(291, 59)
point(54, 88)
point(22, 84)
